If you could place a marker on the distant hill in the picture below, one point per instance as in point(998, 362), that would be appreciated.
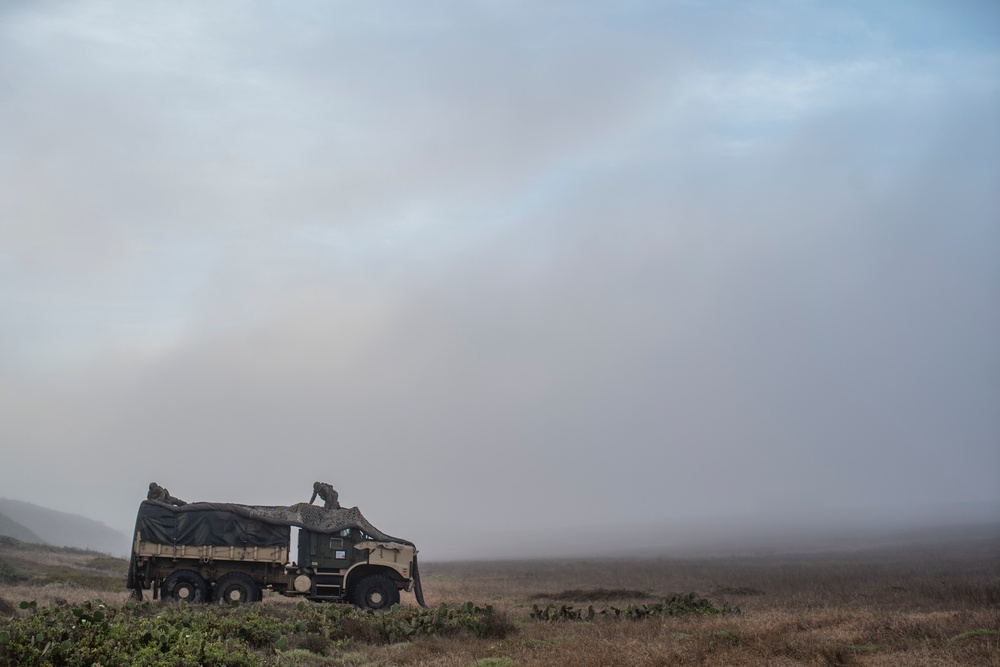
point(62, 529)
point(42, 564)
point(12, 528)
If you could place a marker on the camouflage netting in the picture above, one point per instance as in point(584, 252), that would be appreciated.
point(210, 523)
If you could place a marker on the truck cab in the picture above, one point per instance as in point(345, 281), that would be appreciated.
point(354, 565)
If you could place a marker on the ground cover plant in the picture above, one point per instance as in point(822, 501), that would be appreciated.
point(913, 606)
point(153, 634)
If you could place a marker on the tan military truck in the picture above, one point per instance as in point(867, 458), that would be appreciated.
point(226, 552)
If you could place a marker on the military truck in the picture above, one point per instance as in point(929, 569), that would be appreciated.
point(225, 552)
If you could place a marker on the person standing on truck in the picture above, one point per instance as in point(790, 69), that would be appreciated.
point(331, 499)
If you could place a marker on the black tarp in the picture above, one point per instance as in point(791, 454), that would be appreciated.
point(230, 524)
point(212, 524)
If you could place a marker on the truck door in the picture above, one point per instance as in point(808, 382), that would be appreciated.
point(328, 551)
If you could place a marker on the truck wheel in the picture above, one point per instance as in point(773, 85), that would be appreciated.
point(236, 587)
point(376, 592)
point(184, 585)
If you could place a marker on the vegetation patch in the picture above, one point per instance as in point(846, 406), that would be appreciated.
point(593, 595)
point(974, 634)
point(165, 634)
point(675, 605)
point(739, 590)
point(496, 662)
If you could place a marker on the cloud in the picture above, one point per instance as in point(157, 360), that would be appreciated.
point(664, 264)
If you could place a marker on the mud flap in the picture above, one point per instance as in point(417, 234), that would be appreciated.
point(132, 580)
point(418, 591)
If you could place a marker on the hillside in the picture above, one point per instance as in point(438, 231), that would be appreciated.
point(42, 564)
point(11, 528)
point(63, 529)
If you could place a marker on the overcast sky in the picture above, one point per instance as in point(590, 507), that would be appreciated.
point(501, 264)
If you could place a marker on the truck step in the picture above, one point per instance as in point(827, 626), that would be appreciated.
point(328, 589)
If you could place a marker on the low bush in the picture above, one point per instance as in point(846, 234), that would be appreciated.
point(154, 634)
point(739, 590)
point(593, 595)
point(675, 605)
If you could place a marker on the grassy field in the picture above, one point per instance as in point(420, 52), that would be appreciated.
point(936, 605)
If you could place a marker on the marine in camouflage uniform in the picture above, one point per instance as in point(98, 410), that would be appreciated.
point(157, 492)
point(331, 499)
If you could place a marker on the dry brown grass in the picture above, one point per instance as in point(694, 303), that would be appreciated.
point(926, 608)
point(939, 607)
point(57, 572)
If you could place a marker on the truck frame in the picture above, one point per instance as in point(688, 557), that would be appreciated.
point(224, 552)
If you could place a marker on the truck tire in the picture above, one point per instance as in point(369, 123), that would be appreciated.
point(236, 587)
point(184, 585)
point(376, 592)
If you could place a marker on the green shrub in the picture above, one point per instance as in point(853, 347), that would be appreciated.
point(739, 590)
point(592, 594)
point(160, 634)
point(675, 605)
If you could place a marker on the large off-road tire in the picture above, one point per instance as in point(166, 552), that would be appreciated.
point(184, 585)
point(236, 587)
point(375, 592)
